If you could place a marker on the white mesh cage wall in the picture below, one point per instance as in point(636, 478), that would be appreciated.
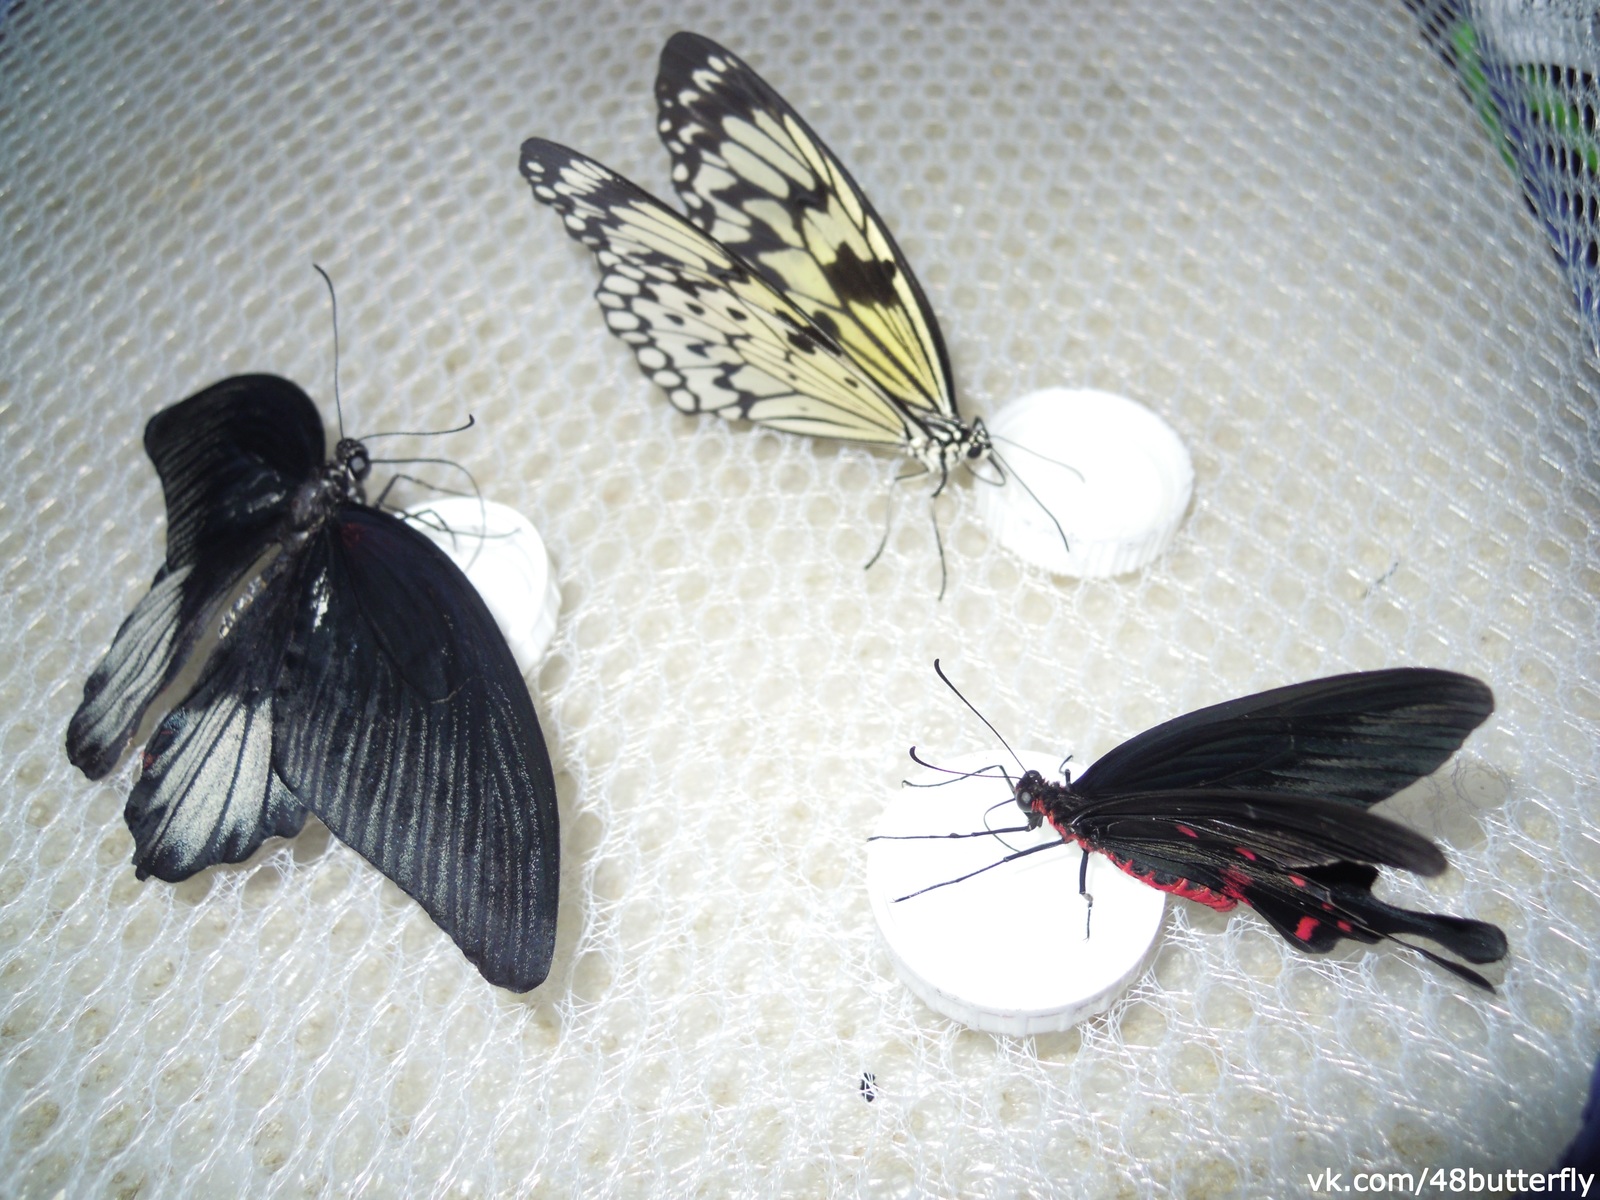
point(1279, 225)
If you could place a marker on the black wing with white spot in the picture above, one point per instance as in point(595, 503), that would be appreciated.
point(207, 793)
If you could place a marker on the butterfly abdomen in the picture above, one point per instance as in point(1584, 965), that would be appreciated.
point(1177, 885)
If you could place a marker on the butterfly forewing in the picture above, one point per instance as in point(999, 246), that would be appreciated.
point(1359, 738)
point(711, 333)
point(405, 725)
point(229, 458)
point(1247, 828)
point(757, 178)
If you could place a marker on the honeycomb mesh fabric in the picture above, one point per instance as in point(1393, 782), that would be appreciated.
point(1277, 224)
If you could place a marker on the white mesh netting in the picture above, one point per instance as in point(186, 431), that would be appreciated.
point(1278, 224)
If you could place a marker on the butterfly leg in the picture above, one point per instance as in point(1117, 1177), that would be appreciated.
point(1043, 507)
point(1083, 890)
point(888, 519)
point(383, 496)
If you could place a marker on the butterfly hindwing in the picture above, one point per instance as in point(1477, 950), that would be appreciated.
point(1356, 738)
point(229, 458)
point(404, 723)
point(1250, 828)
point(756, 177)
point(207, 792)
point(711, 333)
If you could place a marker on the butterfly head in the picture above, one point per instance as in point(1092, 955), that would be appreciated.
point(943, 446)
point(355, 464)
point(1029, 790)
point(976, 444)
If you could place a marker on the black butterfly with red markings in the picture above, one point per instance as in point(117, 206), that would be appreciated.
point(1265, 801)
point(320, 655)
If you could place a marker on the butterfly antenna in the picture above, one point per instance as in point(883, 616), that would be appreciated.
point(1043, 507)
point(939, 671)
point(470, 422)
point(1054, 462)
point(333, 300)
point(983, 773)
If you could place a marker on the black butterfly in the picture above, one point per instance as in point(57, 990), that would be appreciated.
point(320, 655)
point(1264, 801)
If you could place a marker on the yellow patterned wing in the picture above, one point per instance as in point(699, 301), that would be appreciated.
point(758, 180)
point(706, 327)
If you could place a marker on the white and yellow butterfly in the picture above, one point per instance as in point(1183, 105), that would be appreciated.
point(783, 299)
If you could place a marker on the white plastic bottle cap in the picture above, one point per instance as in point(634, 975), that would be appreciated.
point(503, 555)
point(1003, 951)
point(1119, 497)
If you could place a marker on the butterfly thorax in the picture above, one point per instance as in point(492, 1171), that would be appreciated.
point(1041, 800)
point(941, 444)
point(339, 481)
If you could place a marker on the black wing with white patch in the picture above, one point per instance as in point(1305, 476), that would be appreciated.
point(403, 722)
point(713, 334)
point(229, 458)
point(756, 178)
point(1357, 738)
point(207, 793)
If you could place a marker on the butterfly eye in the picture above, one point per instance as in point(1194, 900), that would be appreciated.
point(353, 456)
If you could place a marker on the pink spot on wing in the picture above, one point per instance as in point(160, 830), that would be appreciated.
point(1297, 880)
point(1306, 928)
point(1244, 852)
point(1187, 832)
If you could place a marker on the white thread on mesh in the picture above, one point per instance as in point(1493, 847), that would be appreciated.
point(1277, 225)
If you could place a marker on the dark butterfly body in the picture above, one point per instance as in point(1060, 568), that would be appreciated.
point(342, 665)
point(1264, 801)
